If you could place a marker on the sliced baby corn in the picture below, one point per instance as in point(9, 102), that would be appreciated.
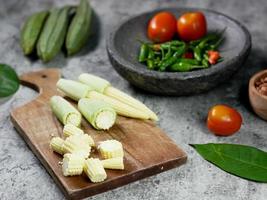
point(76, 144)
point(56, 145)
point(113, 163)
point(98, 113)
point(94, 169)
point(72, 164)
point(64, 111)
point(110, 149)
point(103, 86)
point(89, 140)
point(70, 129)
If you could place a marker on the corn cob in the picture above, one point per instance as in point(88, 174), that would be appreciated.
point(76, 144)
point(79, 28)
point(77, 90)
point(100, 114)
point(110, 149)
point(72, 164)
point(94, 169)
point(103, 86)
point(70, 129)
point(121, 108)
point(56, 144)
point(113, 163)
point(64, 111)
point(73, 89)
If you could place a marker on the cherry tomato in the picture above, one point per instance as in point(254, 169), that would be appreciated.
point(192, 26)
point(162, 27)
point(223, 120)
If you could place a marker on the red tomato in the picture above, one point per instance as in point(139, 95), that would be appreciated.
point(192, 26)
point(223, 120)
point(162, 27)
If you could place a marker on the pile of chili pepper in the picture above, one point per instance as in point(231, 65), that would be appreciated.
point(179, 56)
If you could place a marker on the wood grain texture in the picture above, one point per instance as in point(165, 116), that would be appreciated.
point(148, 150)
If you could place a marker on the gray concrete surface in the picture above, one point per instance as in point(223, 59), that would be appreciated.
point(183, 118)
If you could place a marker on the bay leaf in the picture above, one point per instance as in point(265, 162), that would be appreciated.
point(243, 161)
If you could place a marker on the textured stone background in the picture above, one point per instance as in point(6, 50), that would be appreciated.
point(23, 177)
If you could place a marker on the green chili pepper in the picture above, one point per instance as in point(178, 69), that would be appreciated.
point(143, 52)
point(150, 59)
point(183, 67)
point(150, 64)
point(205, 63)
point(197, 53)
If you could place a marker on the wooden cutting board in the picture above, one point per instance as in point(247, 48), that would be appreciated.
point(148, 150)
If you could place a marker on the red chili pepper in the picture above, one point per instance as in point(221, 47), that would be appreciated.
point(213, 57)
point(188, 55)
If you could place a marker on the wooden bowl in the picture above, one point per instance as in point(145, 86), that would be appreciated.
point(123, 48)
point(257, 100)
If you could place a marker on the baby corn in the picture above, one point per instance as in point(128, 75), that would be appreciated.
point(64, 111)
point(70, 129)
point(98, 113)
point(103, 86)
point(56, 144)
point(110, 149)
point(76, 144)
point(94, 169)
point(72, 164)
point(113, 163)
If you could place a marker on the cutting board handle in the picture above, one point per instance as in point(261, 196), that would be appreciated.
point(43, 81)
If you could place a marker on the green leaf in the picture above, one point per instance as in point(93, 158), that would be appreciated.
point(9, 81)
point(244, 161)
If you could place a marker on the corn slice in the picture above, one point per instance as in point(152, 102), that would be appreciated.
point(110, 149)
point(97, 112)
point(94, 169)
point(72, 164)
point(70, 129)
point(56, 144)
point(64, 111)
point(113, 163)
point(76, 144)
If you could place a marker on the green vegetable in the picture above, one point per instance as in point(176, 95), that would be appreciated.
point(31, 31)
point(79, 29)
point(64, 111)
point(9, 81)
point(143, 52)
point(184, 67)
point(53, 34)
point(97, 112)
point(244, 161)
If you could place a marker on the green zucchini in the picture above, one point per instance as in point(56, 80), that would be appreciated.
point(79, 29)
point(31, 31)
point(53, 34)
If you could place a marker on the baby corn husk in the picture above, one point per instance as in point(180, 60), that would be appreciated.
point(73, 89)
point(76, 144)
point(113, 163)
point(72, 164)
point(64, 111)
point(103, 86)
point(121, 108)
point(110, 149)
point(97, 112)
point(56, 144)
point(70, 129)
point(94, 169)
